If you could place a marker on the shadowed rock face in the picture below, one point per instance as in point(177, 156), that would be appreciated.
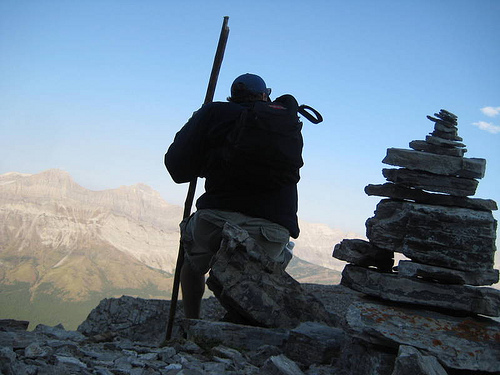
point(452, 237)
point(256, 289)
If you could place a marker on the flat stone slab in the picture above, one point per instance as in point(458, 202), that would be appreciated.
point(438, 164)
point(396, 288)
point(463, 343)
point(420, 145)
point(443, 141)
point(236, 336)
point(397, 191)
point(449, 237)
point(363, 253)
point(446, 135)
point(447, 275)
point(452, 185)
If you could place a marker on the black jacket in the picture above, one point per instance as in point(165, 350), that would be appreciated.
point(187, 157)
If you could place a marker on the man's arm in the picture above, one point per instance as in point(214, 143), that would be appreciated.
point(185, 155)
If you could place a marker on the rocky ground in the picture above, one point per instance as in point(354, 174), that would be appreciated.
point(124, 336)
point(130, 343)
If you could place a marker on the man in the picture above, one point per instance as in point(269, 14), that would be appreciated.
point(266, 210)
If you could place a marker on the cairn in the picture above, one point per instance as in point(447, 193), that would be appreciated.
point(428, 217)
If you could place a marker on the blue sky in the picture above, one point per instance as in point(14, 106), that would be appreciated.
point(99, 88)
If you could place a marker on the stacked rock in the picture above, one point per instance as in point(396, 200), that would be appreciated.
point(448, 237)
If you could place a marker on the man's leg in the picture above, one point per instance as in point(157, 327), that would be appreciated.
point(193, 287)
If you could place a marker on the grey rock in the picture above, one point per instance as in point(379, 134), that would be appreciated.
point(438, 164)
point(419, 196)
point(174, 366)
point(447, 275)
point(35, 350)
point(7, 354)
point(13, 324)
point(362, 358)
point(166, 353)
point(444, 117)
point(252, 286)
point(447, 116)
point(463, 343)
point(443, 142)
point(70, 361)
point(262, 354)
point(450, 237)
point(15, 339)
point(446, 129)
point(133, 318)
point(475, 300)
point(7, 360)
point(411, 361)
point(314, 343)
point(363, 253)
point(447, 135)
point(58, 332)
point(336, 298)
point(456, 186)
point(280, 365)
point(210, 334)
point(420, 145)
point(236, 359)
point(441, 121)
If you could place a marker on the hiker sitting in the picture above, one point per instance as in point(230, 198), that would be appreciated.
point(249, 150)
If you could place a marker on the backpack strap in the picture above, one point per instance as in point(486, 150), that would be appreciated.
point(303, 111)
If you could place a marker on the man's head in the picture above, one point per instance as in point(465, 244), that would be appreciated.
point(249, 87)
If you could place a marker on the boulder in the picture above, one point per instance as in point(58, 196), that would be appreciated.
point(450, 237)
point(255, 288)
point(137, 319)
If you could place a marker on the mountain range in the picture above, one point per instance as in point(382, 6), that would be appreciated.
point(63, 247)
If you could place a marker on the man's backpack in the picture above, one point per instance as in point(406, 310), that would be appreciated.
point(264, 148)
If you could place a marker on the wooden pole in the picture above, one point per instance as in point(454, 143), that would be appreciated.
point(212, 83)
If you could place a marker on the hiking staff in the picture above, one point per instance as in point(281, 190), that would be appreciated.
point(214, 75)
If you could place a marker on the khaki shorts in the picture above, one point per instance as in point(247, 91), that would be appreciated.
point(202, 235)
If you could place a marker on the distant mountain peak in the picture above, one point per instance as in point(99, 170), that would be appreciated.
point(10, 177)
point(15, 174)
